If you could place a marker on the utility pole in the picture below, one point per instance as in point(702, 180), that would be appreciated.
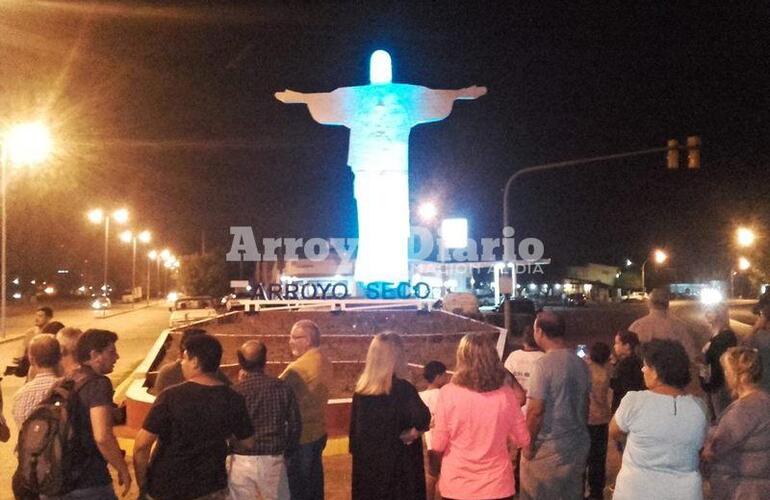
point(693, 162)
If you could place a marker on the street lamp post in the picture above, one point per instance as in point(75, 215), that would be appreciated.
point(743, 265)
point(25, 144)
point(553, 166)
point(660, 257)
point(97, 216)
point(130, 237)
point(744, 238)
point(152, 255)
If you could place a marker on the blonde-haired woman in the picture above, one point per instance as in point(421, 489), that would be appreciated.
point(477, 414)
point(386, 419)
point(737, 451)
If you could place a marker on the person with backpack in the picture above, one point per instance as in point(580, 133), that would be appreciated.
point(66, 442)
point(44, 356)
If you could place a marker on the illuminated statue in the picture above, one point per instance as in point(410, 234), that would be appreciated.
point(380, 116)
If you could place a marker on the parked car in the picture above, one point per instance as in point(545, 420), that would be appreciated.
point(464, 303)
point(637, 296)
point(575, 300)
point(519, 306)
point(232, 301)
point(189, 309)
point(101, 303)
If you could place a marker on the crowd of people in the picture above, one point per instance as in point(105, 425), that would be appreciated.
point(536, 426)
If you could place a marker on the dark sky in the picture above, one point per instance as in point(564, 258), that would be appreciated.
point(168, 108)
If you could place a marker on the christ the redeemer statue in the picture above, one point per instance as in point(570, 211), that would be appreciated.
point(380, 116)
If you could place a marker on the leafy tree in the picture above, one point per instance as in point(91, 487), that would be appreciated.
point(204, 274)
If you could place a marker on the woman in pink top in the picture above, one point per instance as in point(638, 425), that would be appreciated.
point(476, 416)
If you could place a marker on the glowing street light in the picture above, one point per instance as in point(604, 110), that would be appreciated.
point(660, 257)
point(97, 216)
point(144, 236)
point(427, 211)
point(743, 264)
point(120, 215)
point(23, 144)
point(745, 237)
point(28, 144)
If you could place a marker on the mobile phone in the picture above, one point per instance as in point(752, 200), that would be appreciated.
point(581, 351)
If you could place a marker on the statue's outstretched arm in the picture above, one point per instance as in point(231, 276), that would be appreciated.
point(328, 108)
point(436, 104)
point(472, 92)
point(291, 97)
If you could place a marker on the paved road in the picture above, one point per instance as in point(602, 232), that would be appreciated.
point(137, 331)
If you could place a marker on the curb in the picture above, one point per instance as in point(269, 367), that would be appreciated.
point(12, 338)
point(123, 312)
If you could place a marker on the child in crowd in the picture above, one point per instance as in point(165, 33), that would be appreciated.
point(598, 418)
point(436, 375)
point(521, 361)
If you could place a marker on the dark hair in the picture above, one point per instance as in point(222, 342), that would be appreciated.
point(551, 323)
point(53, 327)
point(529, 336)
point(629, 338)
point(207, 350)
point(44, 350)
point(670, 361)
point(188, 334)
point(599, 353)
point(93, 340)
point(255, 362)
point(432, 370)
point(46, 310)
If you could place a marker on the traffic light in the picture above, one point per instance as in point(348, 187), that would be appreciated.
point(672, 157)
point(693, 152)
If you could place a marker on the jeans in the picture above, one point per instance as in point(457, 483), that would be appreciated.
point(596, 472)
point(305, 471)
point(93, 493)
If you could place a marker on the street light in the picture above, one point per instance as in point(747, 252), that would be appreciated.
point(744, 236)
point(659, 256)
point(428, 211)
point(23, 144)
point(130, 237)
point(97, 216)
point(743, 264)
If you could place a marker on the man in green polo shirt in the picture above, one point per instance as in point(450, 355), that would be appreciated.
point(309, 376)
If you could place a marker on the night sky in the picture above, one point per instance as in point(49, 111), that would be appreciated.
point(168, 108)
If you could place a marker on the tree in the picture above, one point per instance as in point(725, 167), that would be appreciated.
point(204, 274)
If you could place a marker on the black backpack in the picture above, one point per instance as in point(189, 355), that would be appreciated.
point(47, 444)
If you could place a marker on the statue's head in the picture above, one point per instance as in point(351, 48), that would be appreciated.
point(380, 68)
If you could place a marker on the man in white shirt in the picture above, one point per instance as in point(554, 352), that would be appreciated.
point(660, 324)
